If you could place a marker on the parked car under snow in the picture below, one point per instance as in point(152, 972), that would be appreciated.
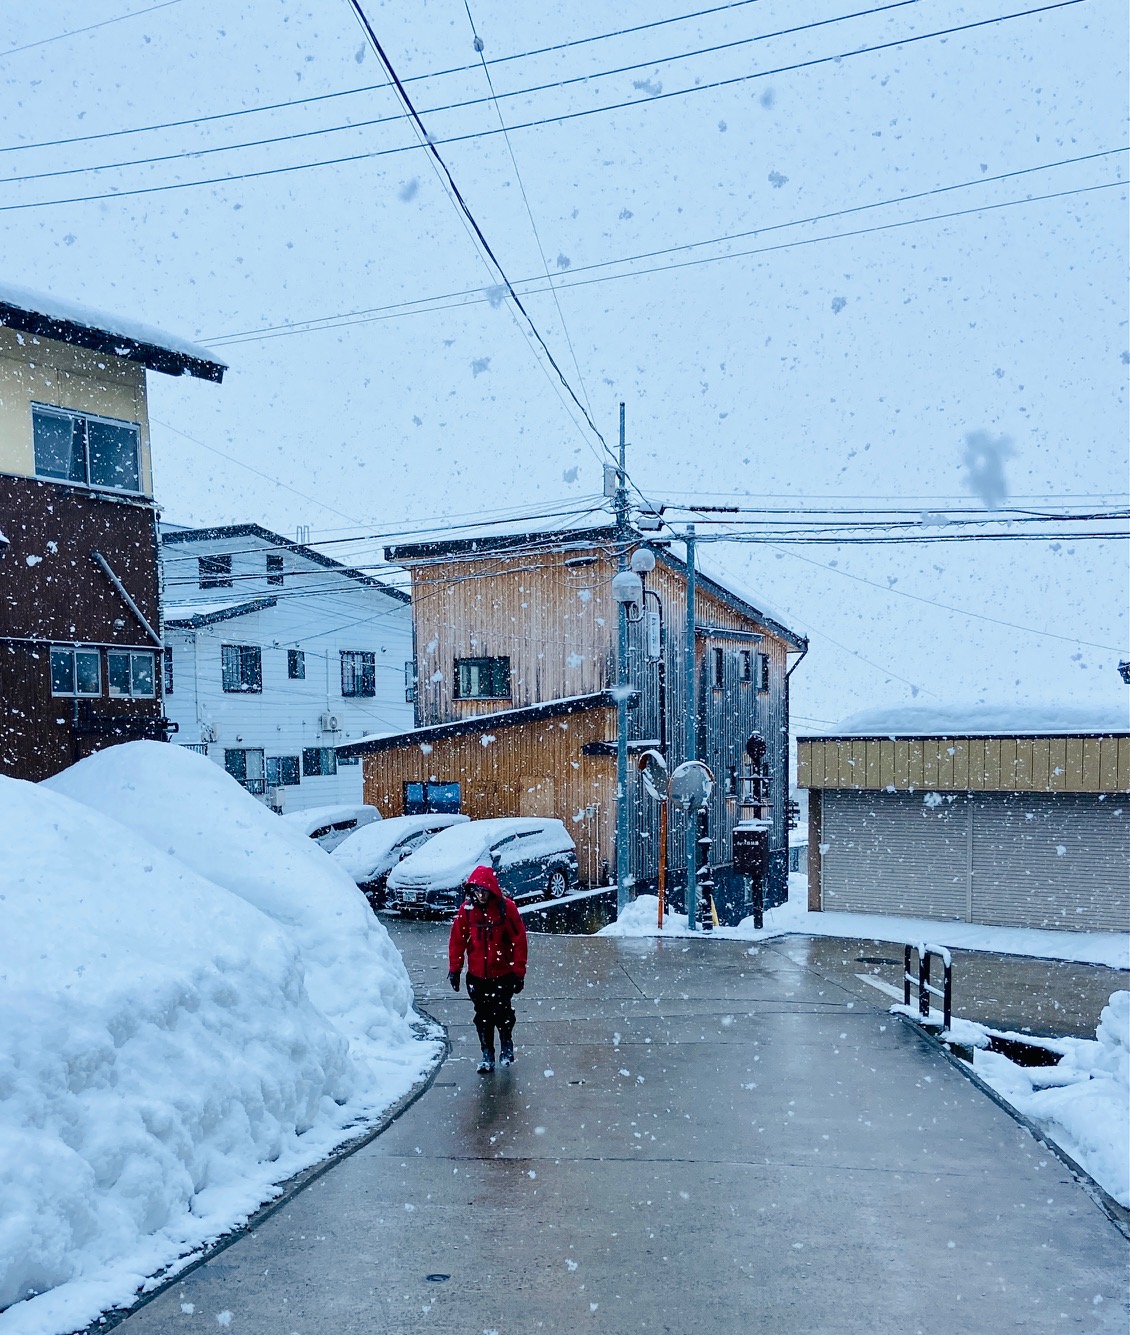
point(370, 853)
point(329, 826)
point(535, 858)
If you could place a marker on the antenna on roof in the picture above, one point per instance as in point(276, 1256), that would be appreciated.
point(302, 535)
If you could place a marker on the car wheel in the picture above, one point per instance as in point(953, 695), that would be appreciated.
point(556, 884)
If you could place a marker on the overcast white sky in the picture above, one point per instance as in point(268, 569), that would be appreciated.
point(815, 371)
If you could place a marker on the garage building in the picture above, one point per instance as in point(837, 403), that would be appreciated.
point(1026, 824)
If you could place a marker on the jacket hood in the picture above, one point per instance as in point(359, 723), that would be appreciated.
point(485, 878)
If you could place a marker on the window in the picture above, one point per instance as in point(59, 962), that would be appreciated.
point(482, 679)
point(745, 659)
point(215, 571)
point(318, 761)
point(282, 771)
point(719, 667)
point(76, 672)
point(131, 673)
point(296, 665)
point(763, 676)
point(246, 767)
point(275, 568)
point(358, 672)
point(420, 798)
point(168, 658)
point(242, 668)
point(410, 682)
point(93, 451)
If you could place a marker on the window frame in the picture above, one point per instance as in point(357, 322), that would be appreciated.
point(75, 417)
point(496, 669)
point(763, 673)
point(276, 569)
point(719, 668)
point(73, 650)
point(327, 762)
point(256, 787)
point(131, 692)
point(254, 686)
point(281, 769)
point(745, 665)
point(296, 665)
point(219, 576)
point(362, 669)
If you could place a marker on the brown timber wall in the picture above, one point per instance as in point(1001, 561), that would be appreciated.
point(531, 769)
point(1078, 764)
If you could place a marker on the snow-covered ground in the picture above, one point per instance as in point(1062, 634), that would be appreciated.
point(1109, 948)
point(195, 1002)
point(1083, 1102)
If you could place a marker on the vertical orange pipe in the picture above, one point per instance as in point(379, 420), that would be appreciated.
point(662, 859)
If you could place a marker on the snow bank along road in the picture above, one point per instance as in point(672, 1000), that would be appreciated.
point(706, 1137)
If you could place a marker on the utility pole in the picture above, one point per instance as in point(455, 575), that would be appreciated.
point(621, 506)
point(689, 743)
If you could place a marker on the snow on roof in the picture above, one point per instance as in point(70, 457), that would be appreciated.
point(965, 720)
point(199, 614)
point(706, 567)
point(69, 322)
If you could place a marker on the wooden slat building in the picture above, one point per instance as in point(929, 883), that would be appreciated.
point(80, 609)
point(537, 610)
point(1015, 828)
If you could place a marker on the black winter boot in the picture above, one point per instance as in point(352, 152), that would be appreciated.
point(486, 1065)
point(506, 1044)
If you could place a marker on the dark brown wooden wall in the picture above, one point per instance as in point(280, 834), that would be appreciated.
point(62, 594)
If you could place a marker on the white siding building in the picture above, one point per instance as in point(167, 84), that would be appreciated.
point(275, 655)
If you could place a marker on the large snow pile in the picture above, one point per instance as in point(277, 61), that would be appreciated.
point(170, 1051)
point(1083, 1102)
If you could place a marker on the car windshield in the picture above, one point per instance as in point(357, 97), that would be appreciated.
point(465, 843)
point(365, 849)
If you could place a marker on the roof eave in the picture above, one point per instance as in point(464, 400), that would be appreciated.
point(150, 355)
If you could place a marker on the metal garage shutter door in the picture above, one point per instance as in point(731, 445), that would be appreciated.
point(1061, 862)
point(892, 853)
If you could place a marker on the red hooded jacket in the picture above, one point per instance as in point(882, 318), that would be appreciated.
point(492, 936)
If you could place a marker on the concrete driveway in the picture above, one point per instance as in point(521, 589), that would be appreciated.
point(697, 1137)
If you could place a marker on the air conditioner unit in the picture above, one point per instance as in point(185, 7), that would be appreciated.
point(330, 722)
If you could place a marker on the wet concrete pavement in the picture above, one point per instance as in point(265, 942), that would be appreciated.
point(697, 1137)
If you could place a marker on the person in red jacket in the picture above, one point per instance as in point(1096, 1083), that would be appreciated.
point(489, 933)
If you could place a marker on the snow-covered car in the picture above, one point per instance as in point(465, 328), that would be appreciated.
point(535, 858)
point(329, 826)
point(369, 854)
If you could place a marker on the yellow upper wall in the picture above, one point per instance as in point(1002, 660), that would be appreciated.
point(34, 369)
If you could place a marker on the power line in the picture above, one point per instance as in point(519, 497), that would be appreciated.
point(75, 32)
point(371, 88)
point(945, 607)
point(432, 145)
point(474, 296)
point(294, 136)
point(465, 207)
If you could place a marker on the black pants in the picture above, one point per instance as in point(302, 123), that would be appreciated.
point(492, 999)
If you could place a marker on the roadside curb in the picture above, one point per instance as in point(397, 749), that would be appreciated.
point(289, 1189)
point(1118, 1215)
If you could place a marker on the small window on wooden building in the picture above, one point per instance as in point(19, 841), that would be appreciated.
point(431, 797)
point(93, 451)
point(745, 665)
point(76, 672)
point(763, 676)
point(719, 667)
point(130, 673)
point(482, 678)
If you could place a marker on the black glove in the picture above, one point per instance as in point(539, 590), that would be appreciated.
point(453, 979)
point(517, 982)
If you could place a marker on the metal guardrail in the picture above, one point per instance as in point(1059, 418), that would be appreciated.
point(926, 989)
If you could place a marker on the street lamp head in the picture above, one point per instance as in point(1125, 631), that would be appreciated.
point(627, 589)
point(643, 561)
point(1124, 670)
